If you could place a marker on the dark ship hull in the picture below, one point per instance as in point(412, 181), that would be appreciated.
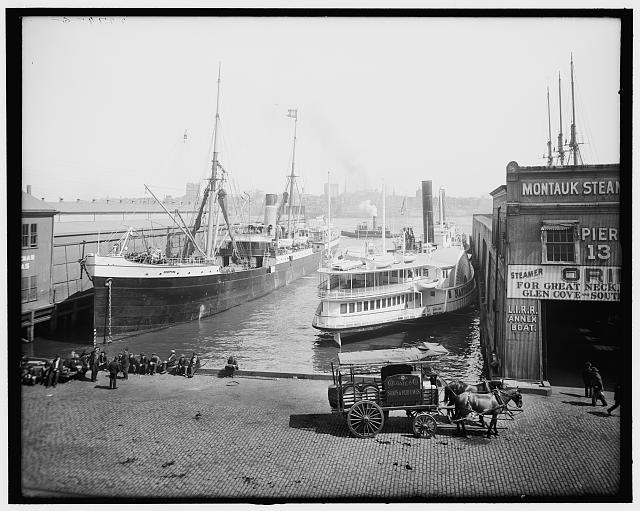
point(125, 306)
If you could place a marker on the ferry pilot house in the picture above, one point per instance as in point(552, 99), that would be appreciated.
point(555, 278)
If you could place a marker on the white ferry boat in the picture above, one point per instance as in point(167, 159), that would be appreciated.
point(357, 297)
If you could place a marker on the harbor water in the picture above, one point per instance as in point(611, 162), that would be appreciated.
point(274, 332)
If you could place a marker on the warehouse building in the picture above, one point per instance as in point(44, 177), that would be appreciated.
point(549, 266)
point(35, 263)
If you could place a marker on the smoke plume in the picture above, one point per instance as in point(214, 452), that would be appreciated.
point(368, 208)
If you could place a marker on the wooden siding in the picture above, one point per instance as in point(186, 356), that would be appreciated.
point(37, 261)
point(522, 338)
point(524, 230)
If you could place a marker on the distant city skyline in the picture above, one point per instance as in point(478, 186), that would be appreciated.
point(111, 104)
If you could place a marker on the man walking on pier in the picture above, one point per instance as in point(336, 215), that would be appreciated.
point(114, 368)
point(125, 363)
point(94, 361)
point(597, 384)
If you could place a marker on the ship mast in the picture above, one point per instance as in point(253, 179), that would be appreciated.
point(384, 224)
point(293, 113)
point(328, 210)
point(560, 143)
point(549, 152)
point(211, 235)
point(573, 144)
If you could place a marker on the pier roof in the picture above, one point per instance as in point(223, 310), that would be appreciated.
point(118, 206)
point(32, 205)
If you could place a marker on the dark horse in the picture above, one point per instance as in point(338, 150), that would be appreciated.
point(457, 387)
point(485, 404)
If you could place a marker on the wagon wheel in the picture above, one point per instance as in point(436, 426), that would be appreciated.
point(365, 419)
point(424, 426)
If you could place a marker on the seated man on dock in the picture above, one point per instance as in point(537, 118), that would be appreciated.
point(133, 364)
point(182, 366)
point(231, 367)
point(169, 363)
point(194, 363)
point(143, 368)
point(154, 363)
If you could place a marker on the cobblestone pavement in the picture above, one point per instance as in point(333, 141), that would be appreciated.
point(206, 437)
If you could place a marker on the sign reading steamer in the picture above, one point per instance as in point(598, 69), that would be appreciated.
point(564, 282)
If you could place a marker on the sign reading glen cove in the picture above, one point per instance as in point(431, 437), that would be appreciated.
point(559, 282)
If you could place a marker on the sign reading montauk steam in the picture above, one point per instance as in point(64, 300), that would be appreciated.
point(581, 188)
point(559, 282)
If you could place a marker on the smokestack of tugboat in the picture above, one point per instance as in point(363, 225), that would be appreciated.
point(374, 222)
point(427, 212)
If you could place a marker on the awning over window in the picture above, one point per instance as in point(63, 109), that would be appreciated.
point(558, 225)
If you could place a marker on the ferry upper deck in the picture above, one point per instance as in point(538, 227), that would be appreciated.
point(428, 269)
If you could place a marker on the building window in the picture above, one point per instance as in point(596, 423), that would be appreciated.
point(359, 307)
point(372, 304)
point(366, 306)
point(343, 308)
point(377, 304)
point(29, 289)
point(352, 307)
point(29, 235)
point(559, 243)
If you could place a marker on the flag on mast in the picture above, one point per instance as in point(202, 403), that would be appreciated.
point(293, 113)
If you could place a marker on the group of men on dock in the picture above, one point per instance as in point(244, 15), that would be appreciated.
point(97, 360)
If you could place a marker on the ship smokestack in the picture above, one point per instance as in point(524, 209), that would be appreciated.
point(427, 212)
point(374, 222)
point(270, 209)
point(441, 208)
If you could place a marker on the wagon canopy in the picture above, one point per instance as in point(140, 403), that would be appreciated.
point(391, 356)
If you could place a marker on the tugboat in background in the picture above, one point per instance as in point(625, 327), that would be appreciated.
point(362, 231)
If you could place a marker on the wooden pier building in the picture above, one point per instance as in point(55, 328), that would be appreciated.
point(549, 267)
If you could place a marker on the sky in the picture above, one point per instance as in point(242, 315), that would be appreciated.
point(107, 101)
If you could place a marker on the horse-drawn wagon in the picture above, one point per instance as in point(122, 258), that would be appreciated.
point(367, 385)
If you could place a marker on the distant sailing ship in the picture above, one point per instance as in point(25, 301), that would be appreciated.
point(141, 292)
point(369, 293)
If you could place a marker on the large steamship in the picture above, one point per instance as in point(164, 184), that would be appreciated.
point(141, 292)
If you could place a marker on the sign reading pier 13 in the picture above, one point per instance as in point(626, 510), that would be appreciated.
point(558, 282)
